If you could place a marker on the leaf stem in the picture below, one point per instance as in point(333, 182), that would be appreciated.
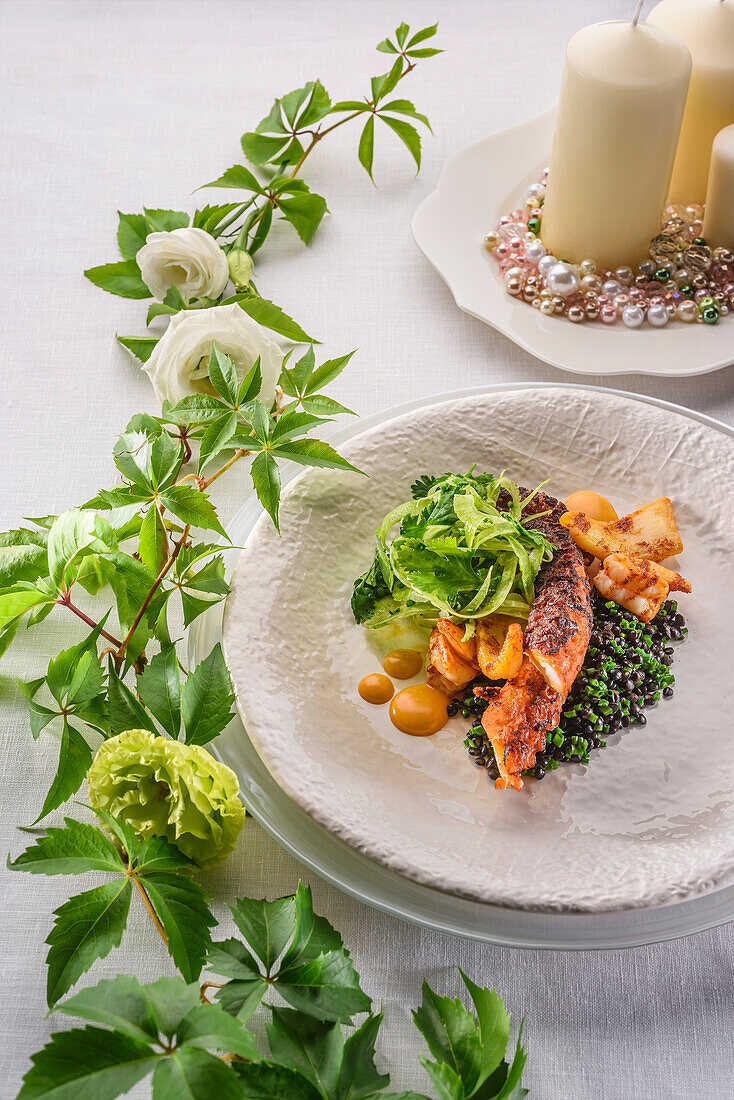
point(149, 906)
point(65, 601)
point(239, 453)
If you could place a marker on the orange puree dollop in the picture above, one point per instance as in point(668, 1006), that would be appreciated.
point(419, 710)
point(375, 688)
point(403, 663)
point(591, 504)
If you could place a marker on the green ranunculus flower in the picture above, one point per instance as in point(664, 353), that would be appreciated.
point(165, 788)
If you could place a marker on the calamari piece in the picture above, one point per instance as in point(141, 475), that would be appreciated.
point(638, 585)
point(499, 647)
point(650, 532)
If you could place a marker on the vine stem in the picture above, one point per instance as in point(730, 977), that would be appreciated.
point(151, 593)
point(149, 906)
point(65, 601)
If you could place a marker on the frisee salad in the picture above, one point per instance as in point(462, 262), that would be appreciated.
point(455, 554)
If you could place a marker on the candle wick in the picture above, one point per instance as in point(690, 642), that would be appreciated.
point(638, 10)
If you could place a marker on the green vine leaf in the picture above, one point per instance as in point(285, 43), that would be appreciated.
point(153, 541)
point(23, 556)
point(192, 506)
point(305, 213)
point(275, 139)
point(266, 480)
point(87, 927)
point(101, 1063)
point(207, 699)
point(75, 759)
point(181, 906)
point(408, 134)
point(366, 150)
point(125, 712)
point(159, 688)
point(238, 178)
point(160, 1028)
point(315, 976)
point(76, 848)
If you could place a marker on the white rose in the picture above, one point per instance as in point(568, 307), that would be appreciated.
point(179, 364)
point(189, 259)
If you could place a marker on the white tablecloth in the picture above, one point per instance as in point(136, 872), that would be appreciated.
point(112, 105)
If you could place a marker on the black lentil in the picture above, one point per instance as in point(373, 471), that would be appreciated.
point(627, 668)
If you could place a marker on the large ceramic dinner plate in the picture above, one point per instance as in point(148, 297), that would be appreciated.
point(650, 821)
point(489, 178)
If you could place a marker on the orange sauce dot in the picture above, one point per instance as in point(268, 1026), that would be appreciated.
point(592, 505)
point(375, 688)
point(419, 710)
point(403, 663)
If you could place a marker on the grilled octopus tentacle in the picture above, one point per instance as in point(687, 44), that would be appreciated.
point(559, 627)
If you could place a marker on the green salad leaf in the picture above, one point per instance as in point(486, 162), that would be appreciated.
point(456, 554)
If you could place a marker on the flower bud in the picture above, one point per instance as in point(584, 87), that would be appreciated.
point(240, 268)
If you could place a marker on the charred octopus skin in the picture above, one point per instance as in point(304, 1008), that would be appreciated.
point(559, 626)
point(527, 707)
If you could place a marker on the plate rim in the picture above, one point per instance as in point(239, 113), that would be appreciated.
point(424, 216)
point(505, 927)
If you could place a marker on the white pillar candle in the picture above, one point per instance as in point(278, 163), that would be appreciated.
point(718, 226)
point(707, 29)
point(622, 98)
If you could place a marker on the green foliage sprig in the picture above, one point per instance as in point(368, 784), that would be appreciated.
point(142, 544)
point(313, 1050)
point(275, 154)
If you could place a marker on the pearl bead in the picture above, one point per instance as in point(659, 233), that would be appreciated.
point(591, 282)
point(575, 314)
point(621, 300)
point(625, 275)
point(612, 288)
point(587, 267)
point(535, 251)
point(687, 311)
point(546, 307)
point(609, 315)
point(546, 264)
point(536, 191)
point(514, 280)
point(529, 293)
point(558, 304)
point(592, 310)
point(657, 314)
point(491, 240)
point(531, 204)
point(563, 280)
point(634, 315)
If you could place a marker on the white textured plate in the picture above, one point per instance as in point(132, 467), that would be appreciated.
point(650, 821)
point(489, 178)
